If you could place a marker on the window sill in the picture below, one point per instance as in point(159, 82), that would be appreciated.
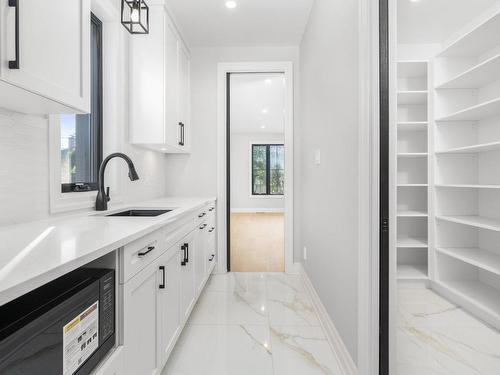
point(267, 196)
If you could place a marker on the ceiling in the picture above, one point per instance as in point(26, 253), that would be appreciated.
point(434, 21)
point(251, 23)
point(257, 103)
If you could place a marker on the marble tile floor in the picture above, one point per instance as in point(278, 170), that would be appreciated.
point(253, 324)
point(436, 337)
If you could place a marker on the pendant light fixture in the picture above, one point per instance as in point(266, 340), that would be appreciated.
point(135, 16)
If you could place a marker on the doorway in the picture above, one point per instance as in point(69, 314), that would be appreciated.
point(282, 72)
point(256, 171)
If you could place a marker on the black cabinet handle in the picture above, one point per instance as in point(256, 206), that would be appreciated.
point(203, 226)
point(14, 64)
point(211, 209)
point(187, 252)
point(162, 285)
point(143, 253)
point(183, 262)
point(212, 257)
point(181, 142)
point(211, 230)
point(202, 214)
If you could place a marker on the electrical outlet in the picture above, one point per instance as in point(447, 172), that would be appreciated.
point(304, 253)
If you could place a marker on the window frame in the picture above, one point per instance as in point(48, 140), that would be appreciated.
point(96, 121)
point(268, 169)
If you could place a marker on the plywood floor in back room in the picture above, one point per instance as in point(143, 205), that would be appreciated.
point(257, 242)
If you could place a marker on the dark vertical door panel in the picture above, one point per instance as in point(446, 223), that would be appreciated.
point(384, 355)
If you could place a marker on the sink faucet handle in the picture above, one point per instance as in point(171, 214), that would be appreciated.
point(107, 194)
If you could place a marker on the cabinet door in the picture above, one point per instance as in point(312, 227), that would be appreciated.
point(168, 303)
point(210, 251)
point(54, 49)
point(183, 94)
point(140, 322)
point(147, 84)
point(173, 128)
point(200, 263)
point(187, 277)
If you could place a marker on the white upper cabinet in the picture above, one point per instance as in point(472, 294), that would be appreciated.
point(45, 56)
point(159, 86)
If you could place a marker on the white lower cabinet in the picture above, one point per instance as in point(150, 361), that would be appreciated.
point(188, 290)
point(140, 322)
point(158, 298)
point(200, 264)
point(168, 303)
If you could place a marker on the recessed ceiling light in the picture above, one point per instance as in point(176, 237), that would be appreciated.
point(268, 81)
point(264, 111)
point(415, 1)
point(263, 126)
point(231, 4)
point(163, 149)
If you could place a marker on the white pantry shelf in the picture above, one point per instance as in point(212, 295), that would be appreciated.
point(475, 42)
point(475, 113)
point(412, 126)
point(413, 185)
point(412, 242)
point(478, 76)
point(473, 221)
point(483, 147)
point(412, 213)
point(412, 154)
point(412, 272)
point(468, 186)
point(477, 257)
point(476, 297)
point(412, 97)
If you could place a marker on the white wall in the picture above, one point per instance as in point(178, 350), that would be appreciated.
point(241, 178)
point(196, 174)
point(329, 122)
point(24, 167)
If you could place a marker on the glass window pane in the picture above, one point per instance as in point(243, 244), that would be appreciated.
point(259, 162)
point(76, 148)
point(277, 169)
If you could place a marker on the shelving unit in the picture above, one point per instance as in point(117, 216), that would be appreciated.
point(412, 166)
point(466, 218)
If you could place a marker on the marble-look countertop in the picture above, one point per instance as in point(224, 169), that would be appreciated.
point(32, 254)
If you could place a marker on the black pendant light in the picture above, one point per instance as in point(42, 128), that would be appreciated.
point(135, 16)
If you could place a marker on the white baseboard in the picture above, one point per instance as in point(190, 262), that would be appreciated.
point(348, 367)
point(256, 210)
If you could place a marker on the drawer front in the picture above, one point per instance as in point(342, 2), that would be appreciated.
point(202, 215)
point(138, 254)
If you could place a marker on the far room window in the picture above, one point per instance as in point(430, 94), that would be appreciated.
point(268, 169)
point(81, 135)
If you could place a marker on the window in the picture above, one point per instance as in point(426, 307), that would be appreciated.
point(81, 135)
point(268, 169)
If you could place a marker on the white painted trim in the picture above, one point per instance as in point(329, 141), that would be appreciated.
point(344, 359)
point(368, 193)
point(253, 67)
point(257, 210)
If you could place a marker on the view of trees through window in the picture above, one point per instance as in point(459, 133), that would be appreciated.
point(268, 169)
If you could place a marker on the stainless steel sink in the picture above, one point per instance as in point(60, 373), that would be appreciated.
point(139, 213)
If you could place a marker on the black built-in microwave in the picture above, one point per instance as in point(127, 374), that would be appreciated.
point(64, 327)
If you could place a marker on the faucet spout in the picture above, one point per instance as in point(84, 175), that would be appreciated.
point(101, 203)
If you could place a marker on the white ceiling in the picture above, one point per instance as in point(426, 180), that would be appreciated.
point(251, 23)
point(434, 21)
point(257, 103)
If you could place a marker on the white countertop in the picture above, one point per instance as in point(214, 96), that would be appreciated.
point(35, 253)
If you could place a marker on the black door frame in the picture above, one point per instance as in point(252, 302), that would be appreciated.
point(228, 170)
point(384, 94)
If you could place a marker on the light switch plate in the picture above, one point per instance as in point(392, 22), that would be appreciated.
point(317, 157)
